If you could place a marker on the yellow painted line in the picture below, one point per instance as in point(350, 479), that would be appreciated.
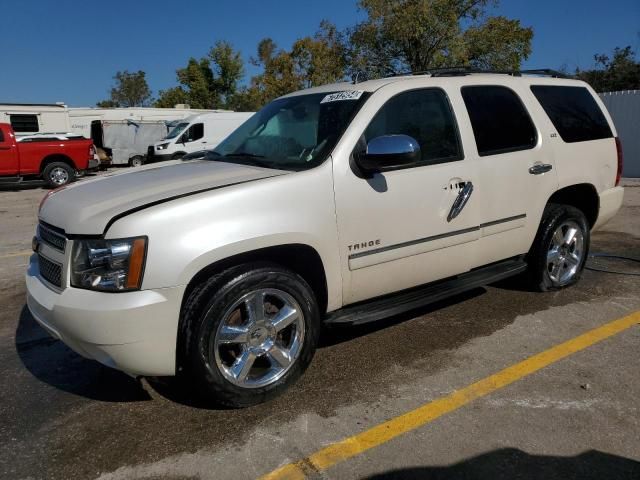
point(384, 432)
point(24, 253)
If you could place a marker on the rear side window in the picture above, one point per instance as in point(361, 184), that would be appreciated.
point(574, 112)
point(499, 120)
point(424, 115)
point(24, 123)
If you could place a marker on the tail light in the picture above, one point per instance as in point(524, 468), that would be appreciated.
point(92, 152)
point(620, 161)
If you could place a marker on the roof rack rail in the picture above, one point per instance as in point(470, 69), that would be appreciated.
point(463, 71)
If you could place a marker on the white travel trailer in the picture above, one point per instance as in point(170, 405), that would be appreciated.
point(28, 119)
point(80, 118)
point(198, 132)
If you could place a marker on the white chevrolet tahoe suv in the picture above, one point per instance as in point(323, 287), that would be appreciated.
point(341, 204)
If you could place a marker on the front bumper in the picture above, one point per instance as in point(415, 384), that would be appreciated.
point(135, 332)
point(610, 203)
point(159, 157)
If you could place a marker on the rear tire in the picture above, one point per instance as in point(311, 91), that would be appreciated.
point(57, 174)
point(560, 249)
point(136, 161)
point(248, 334)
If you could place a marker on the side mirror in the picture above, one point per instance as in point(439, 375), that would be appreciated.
point(388, 152)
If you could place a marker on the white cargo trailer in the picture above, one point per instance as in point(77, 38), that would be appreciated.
point(126, 141)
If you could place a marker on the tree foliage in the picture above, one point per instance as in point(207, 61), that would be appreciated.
point(130, 90)
point(312, 61)
point(210, 82)
point(621, 71)
point(415, 35)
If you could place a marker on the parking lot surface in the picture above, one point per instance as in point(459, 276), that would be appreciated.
point(576, 416)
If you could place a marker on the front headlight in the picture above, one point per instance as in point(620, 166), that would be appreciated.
point(162, 146)
point(108, 265)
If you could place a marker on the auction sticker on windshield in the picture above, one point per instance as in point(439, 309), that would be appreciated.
point(346, 95)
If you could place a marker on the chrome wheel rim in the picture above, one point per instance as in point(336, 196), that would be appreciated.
point(136, 162)
point(259, 338)
point(565, 253)
point(59, 176)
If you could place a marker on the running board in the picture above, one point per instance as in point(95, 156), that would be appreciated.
point(394, 304)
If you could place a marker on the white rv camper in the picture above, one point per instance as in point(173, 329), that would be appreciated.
point(80, 118)
point(32, 118)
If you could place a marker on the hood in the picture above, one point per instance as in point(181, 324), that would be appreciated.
point(87, 207)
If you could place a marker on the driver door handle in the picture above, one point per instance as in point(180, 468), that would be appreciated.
point(461, 200)
point(540, 168)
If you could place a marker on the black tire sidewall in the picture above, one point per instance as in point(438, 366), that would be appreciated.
point(47, 171)
point(553, 217)
point(221, 295)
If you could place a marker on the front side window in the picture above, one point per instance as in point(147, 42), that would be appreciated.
point(426, 116)
point(292, 133)
point(499, 120)
point(573, 112)
point(24, 123)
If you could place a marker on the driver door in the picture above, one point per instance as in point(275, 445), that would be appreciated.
point(193, 139)
point(395, 229)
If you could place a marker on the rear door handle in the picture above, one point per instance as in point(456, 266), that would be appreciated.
point(461, 200)
point(540, 168)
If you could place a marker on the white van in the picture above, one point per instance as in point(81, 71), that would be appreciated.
point(198, 132)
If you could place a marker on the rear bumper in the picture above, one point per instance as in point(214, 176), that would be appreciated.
point(135, 332)
point(610, 204)
point(94, 164)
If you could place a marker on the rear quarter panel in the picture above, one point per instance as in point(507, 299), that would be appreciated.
point(33, 153)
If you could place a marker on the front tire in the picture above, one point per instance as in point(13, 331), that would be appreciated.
point(560, 249)
point(249, 333)
point(57, 174)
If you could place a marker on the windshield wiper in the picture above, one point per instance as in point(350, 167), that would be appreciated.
point(242, 155)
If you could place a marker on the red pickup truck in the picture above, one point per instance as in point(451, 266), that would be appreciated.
point(49, 158)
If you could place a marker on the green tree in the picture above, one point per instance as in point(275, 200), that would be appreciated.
point(611, 74)
point(171, 97)
point(311, 61)
point(130, 90)
point(415, 35)
point(210, 82)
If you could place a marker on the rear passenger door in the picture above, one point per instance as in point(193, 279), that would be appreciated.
point(515, 172)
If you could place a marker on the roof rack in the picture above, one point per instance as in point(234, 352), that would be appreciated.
point(463, 71)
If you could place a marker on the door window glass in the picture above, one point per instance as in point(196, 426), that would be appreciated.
point(499, 120)
point(195, 132)
point(426, 116)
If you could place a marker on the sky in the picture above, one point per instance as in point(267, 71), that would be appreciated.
point(69, 50)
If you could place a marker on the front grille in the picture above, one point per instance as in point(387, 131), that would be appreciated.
point(52, 238)
point(50, 271)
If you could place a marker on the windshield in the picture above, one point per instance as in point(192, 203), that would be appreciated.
point(177, 130)
point(294, 133)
